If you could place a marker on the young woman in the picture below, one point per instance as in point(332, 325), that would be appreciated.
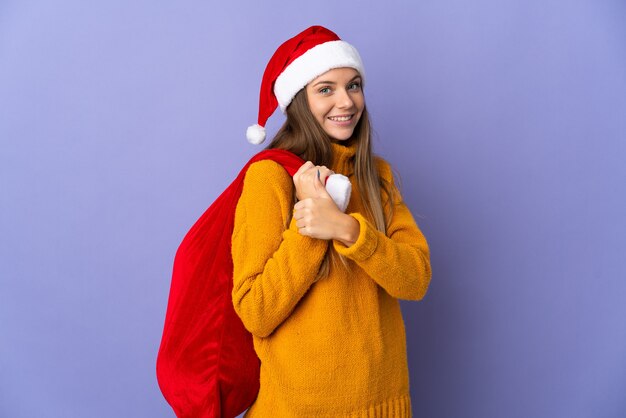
point(318, 288)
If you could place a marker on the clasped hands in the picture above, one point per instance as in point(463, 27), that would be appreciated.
point(316, 213)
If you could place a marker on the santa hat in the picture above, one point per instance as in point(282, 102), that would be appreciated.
point(295, 63)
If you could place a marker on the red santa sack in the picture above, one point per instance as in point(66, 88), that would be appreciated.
point(206, 365)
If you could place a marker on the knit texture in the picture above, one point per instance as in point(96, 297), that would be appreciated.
point(335, 347)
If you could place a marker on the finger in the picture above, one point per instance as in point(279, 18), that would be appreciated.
point(325, 173)
point(298, 214)
point(302, 172)
point(304, 167)
point(302, 229)
point(302, 203)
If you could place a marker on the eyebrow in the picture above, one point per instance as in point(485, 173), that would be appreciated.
point(332, 82)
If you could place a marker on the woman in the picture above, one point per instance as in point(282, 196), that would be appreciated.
point(318, 288)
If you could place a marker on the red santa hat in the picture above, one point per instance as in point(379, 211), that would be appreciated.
point(295, 63)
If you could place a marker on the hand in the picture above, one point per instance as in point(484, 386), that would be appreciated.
point(307, 182)
point(317, 218)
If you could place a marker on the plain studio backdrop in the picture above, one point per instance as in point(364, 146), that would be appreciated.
point(121, 122)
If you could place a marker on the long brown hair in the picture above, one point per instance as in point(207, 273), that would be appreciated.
point(302, 134)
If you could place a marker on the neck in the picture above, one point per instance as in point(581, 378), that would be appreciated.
point(343, 153)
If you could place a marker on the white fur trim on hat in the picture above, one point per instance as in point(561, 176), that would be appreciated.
point(316, 61)
point(339, 188)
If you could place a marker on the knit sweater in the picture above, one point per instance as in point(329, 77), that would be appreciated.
point(335, 347)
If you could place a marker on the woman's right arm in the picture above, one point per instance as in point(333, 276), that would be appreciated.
point(273, 264)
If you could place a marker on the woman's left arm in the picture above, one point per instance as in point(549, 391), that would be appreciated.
point(398, 261)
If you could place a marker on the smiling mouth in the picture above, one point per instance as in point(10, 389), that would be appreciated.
point(340, 118)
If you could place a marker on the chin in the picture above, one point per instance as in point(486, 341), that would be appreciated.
point(340, 137)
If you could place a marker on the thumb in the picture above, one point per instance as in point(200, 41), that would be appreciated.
point(320, 186)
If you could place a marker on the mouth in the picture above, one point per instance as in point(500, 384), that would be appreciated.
point(341, 118)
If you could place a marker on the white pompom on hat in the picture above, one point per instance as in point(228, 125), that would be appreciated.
point(294, 64)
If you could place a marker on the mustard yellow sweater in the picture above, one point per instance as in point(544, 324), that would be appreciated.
point(335, 347)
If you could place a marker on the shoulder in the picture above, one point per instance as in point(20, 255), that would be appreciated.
point(265, 178)
point(267, 171)
point(264, 207)
point(266, 197)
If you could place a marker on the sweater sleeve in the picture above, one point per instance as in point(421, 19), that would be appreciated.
point(273, 264)
point(398, 261)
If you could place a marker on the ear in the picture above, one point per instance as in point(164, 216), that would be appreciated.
point(339, 188)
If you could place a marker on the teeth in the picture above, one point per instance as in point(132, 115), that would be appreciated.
point(341, 119)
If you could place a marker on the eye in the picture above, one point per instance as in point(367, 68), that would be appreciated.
point(354, 86)
point(324, 90)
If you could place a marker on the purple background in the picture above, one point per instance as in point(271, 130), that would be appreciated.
point(120, 122)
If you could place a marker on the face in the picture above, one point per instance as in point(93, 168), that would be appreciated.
point(336, 100)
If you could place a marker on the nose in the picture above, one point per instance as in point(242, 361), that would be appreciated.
point(344, 101)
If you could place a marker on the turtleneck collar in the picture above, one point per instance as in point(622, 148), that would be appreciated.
point(343, 157)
